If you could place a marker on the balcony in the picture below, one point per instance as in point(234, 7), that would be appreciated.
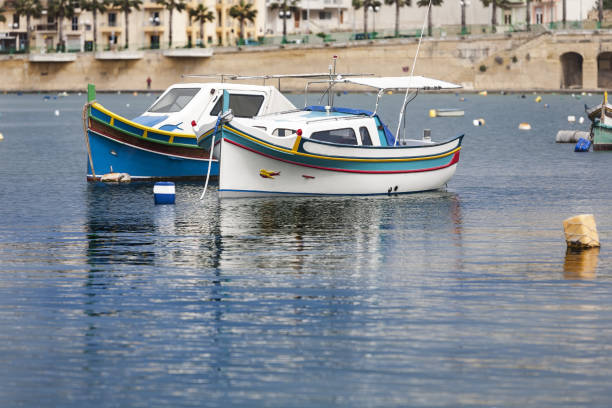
point(46, 27)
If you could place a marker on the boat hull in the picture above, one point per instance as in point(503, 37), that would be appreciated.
point(602, 137)
point(249, 168)
point(119, 145)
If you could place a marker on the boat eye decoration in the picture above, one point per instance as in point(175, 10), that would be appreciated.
point(270, 174)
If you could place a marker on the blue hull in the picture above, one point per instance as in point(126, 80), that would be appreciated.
point(111, 156)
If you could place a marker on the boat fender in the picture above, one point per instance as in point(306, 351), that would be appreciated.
point(432, 113)
point(1, 136)
point(583, 145)
point(571, 118)
point(164, 192)
point(538, 99)
point(581, 231)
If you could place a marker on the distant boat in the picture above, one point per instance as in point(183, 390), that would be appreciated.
point(601, 124)
point(161, 143)
point(326, 150)
point(446, 113)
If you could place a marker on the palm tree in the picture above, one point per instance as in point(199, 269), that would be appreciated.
point(600, 7)
point(493, 4)
point(242, 12)
point(285, 6)
point(171, 5)
point(60, 9)
point(2, 11)
point(126, 7)
point(564, 13)
point(398, 4)
point(95, 6)
point(425, 3)
point(367, 5)
point(28, 8)
point(528, 15)
point(202, 14)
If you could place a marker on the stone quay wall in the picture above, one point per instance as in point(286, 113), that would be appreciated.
point(516, 62)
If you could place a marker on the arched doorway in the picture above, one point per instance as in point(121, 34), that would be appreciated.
point(604, 70)
point(571, 66)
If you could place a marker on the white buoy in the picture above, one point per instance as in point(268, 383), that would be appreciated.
point(127, 105)
point(571, 118)
point(581, 120)
point(524, 126)
point(163, 192)
point(1, 136)
point(57, 112)
point(478, 122)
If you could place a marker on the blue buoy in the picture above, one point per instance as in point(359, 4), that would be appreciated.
point(583, 145)
point(164, 192)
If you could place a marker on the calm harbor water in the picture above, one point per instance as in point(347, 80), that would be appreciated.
point(463, 297)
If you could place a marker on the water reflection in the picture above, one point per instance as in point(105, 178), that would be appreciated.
point(580, 264)
point(320, 234)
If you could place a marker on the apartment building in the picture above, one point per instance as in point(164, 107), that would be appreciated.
point(147, 28)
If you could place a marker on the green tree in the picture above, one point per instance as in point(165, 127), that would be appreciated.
point(367, 5)
point(528, 15)
point(493, 4)
point(202, 15)
point(285, 6)
point(28, 8)
point(425, 3)
point(242, 12)
point(126, 6)
point(398, 4)
point(171, 5)
point(61, 9)
point(95, 6)
point(2, 11)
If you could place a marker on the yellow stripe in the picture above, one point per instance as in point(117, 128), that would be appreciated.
point(112, 121)
point(296, 144)
point(341, 158)
point(144, 134)
point(171, 139)
point(138, 125)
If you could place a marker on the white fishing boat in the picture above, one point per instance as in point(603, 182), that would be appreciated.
point(327, 150)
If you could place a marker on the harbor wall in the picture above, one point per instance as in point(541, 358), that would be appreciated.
point(504, 62)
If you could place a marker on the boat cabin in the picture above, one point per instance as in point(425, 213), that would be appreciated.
point(181, 103)
point(339, 126)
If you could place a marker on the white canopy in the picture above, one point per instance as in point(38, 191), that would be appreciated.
point(405, 82)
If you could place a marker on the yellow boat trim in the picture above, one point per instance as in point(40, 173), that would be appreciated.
point(339, 158)
point(144, 134)
point(112, 121)
point(138, 125)
point(297, 143)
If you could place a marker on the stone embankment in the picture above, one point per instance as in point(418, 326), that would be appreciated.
point(517, 62)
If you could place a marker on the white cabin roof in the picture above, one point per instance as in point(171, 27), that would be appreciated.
point(405, 82)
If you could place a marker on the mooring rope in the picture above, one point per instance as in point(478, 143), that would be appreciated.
point(210, 154)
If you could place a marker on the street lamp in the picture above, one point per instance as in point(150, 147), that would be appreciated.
point(463, 4)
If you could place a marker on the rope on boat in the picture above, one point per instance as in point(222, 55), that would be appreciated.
point(84, 117)
point(210, 154)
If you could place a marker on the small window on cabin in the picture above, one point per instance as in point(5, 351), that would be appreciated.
point(242, 106)
point(365, 136)
point(261, 127)
point(341, 136)
point(174, 101)
point(283, 132)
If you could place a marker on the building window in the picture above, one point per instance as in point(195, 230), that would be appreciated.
point(507, 18)
point(112, 39)
point(112, 19)
point(154, 18)
point(325, 15)
point(75, 23)
point(15, 21)
point(539, 16)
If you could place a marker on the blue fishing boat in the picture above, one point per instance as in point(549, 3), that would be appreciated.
point(161, 143)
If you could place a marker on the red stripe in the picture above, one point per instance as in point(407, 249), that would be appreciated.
point(454, 160)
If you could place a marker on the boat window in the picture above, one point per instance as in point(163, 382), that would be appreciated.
point(340, 136)
point(174, 100)
point(283, 132)
point(365, 136)
point(261, 127)
point(243, 106)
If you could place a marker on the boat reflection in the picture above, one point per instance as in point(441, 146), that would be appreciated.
point(580, 264)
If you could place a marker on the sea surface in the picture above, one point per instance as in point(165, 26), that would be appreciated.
point(458, 298)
